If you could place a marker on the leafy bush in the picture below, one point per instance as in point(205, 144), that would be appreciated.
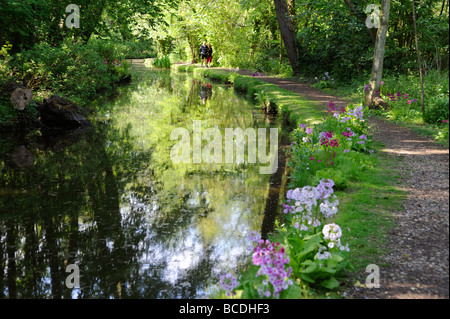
point(438, 110)
point(265, 63)
point(74, 70)
point(163, 62)
point(326, 81)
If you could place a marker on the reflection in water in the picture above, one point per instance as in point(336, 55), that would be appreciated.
point(112, 202)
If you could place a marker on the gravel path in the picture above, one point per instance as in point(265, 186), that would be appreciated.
point(419, 243)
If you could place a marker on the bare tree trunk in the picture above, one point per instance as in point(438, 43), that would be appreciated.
point(422, 95)
point(442, 9)
point(287, 32)
point(378, 57)
point(281, 50)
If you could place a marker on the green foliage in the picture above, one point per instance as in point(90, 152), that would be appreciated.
point(73, 69)
point(328, 150)
point(340, 180)
point(325, 82)
point(163, 63)
point(438, 110)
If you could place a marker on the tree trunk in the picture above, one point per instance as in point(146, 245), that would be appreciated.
point(442, 9)
point(378, 58)
point(419, 60)
point(287, 32)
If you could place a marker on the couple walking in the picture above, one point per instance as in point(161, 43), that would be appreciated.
point(206, 54)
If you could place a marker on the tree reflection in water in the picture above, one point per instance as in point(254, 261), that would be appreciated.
point(113, 203)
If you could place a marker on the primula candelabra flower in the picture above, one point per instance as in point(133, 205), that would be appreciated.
point(325, 255)
point(326, 139)
point(329, 208)
point(254, 236)
point(272, 260)
point(357, 112)
point(325, 188)
point(229, 283)
point(332, 232)
point(347, 134)
point(301, 203)
point(331, 107)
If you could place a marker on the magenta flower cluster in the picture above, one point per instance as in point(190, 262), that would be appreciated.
point(327, 139)
point(332, 108)
point(274, 267)
point(398, 97)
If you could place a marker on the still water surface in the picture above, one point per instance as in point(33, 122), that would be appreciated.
point(109, 199)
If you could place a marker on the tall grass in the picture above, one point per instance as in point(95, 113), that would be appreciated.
point(163, 63)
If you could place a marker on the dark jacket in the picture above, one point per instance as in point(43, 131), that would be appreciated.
point(209, 51)
point(203, 50)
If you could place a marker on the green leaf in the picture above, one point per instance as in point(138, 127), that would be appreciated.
point(331, 283)
point(310, 245)
point(293, 292)
point(312, 267)
point(307, 278)
point(249, 291)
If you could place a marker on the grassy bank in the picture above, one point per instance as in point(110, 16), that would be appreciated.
point(366, 186)
point(291, 107)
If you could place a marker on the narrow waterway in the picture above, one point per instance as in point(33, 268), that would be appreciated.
point(110, 201)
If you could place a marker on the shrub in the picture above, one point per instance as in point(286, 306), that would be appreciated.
point(163, 62)
point(74, 70)
point(437, 110)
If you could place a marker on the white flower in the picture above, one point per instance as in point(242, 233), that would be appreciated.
point(332, 232)
point(331, 245)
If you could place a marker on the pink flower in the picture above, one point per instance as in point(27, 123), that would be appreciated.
point(405, 96)
point(444, 121)
point(409, 101)
point(318, 161)
point(347, 134)
point(334, 143)
point(309, 130)
point(329, 134)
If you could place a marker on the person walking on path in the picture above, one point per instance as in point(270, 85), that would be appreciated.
point(209, 52)
point(203, 53)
